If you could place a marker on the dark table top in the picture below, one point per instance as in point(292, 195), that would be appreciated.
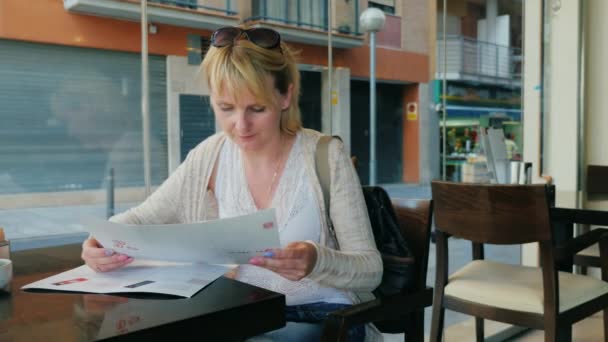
point(225, 310)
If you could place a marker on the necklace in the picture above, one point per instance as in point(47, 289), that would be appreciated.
point(276, 171)
point(272, 180)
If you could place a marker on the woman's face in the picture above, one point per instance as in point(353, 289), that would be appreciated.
point(250, 123)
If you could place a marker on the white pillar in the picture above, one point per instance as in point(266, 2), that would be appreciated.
point(596, 83)
point(182, 78)
point(560, 95)
point(428, 122)
point(340, 103)
point(491, 14)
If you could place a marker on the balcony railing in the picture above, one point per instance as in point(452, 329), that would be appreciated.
point(199, 5)
point(200, 14)
point(308, 14)
point(470, 59)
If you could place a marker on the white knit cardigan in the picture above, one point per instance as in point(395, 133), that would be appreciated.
point(356, 267)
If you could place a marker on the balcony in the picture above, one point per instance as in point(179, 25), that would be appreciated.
point(476, 61)
point(200, 14)
point(305, 21)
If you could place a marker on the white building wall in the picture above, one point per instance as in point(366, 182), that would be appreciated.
point(562, 74)
point(340, 105)
point(182, 78)
point(559, 146)
point(596, 89)
point(562, 94)
point(428, 121)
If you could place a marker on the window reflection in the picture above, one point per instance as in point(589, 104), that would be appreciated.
point(71, 119)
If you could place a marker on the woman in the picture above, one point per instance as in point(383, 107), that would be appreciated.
point(264, 158)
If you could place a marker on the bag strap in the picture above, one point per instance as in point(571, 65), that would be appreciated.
point(322, 167)
point(323, 173)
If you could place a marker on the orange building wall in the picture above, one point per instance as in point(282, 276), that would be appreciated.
point(47, 21)
point(411, 140)
point(391, 65)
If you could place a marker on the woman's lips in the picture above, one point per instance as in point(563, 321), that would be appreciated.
point(246, 137)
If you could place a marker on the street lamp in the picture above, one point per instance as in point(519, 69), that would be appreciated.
point(372, 21)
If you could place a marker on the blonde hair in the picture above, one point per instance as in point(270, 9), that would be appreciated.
point(244, 64)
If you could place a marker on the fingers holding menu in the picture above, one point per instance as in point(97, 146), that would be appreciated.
point(293, 262)
point(102, 259)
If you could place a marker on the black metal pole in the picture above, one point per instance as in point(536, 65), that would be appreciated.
point(110, 193)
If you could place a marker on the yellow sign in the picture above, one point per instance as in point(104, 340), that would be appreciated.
point(412, 111)
point(334, 97)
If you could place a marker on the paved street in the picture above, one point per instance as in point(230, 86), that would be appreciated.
point(36, 227)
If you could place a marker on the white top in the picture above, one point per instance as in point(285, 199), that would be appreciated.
point(298, 218)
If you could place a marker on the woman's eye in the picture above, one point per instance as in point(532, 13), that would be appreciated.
point(258, 109)
point(226, 108)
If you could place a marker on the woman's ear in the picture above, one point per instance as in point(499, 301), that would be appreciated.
point(286, 99)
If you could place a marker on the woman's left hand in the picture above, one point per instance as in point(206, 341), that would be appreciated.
point(293, 262)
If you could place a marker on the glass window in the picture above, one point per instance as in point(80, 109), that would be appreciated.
point(480, 68)
point(71, 117)
point(384, 5)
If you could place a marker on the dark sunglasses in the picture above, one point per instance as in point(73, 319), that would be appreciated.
point(262, 37)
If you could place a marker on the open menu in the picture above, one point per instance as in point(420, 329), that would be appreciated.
point(176, 259)
point(141, 276)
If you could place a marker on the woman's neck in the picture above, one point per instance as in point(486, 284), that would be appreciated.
point(269, 154)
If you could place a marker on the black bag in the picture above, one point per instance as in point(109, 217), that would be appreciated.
point(396, 255)
point(397, 259)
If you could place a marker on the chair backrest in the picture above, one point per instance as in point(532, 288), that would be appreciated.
point(492, 213)
point(596, 181)
point(415, 217)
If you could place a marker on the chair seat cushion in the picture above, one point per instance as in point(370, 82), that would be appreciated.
point(518, 287)
point(594, 250)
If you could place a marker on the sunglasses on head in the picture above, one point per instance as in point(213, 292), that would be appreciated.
point(262, 37)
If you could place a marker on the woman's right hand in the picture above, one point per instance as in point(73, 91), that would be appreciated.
point(102, 259)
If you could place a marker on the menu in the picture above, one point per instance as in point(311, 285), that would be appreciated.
point(176, 259)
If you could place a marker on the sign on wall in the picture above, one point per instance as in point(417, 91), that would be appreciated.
point(411, 111)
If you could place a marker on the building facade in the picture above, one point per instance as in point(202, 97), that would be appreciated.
point(71, 77)
point(482, 64)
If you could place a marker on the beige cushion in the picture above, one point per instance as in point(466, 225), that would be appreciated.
point(517, 287)
point(594, 250)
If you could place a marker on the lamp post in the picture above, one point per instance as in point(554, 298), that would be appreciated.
point(371, 21)
point(145, 97)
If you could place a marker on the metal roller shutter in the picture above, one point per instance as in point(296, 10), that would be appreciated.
point(68, 115)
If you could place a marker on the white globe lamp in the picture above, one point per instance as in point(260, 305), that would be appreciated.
point(371, 21)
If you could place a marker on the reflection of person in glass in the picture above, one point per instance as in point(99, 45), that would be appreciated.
point(451, 139)
point(511, 146)
point(96, 115)
point(93, 111)
point(67, 145)
point(265, 159)
point(90, 313)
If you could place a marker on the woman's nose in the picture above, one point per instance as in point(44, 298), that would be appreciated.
point(242, 122)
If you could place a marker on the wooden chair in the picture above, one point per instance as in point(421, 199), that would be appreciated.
point(597, 190)
point(540, 298)
point(404, 312)
point(565, 218)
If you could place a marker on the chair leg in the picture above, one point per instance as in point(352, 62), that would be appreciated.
point(605, 325)
point(479, 331)
point(437, 320)
point(558, 334)
point(415, 331)
point(564, 334)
